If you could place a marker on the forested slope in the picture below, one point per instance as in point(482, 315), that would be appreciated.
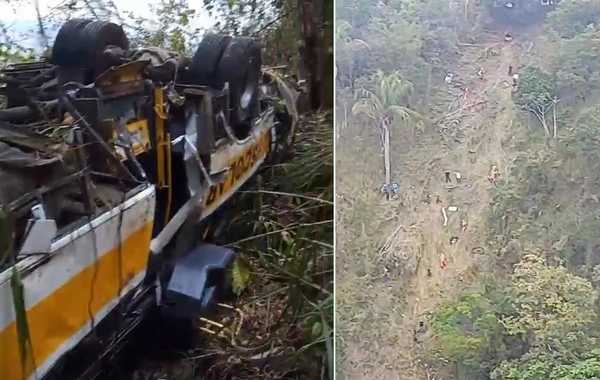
point(516, 296)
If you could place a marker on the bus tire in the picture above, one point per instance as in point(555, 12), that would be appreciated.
point(241, 67)
point(65, 51)
point(205, 62)
point(80, 43)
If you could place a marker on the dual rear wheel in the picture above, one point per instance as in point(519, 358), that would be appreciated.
point(219, 59)
point(234, 60)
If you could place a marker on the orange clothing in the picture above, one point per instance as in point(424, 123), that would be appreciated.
point(443, 261)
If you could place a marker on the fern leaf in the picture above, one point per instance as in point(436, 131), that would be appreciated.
point(240, 276)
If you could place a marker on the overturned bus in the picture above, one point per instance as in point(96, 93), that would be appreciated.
point(110, 160)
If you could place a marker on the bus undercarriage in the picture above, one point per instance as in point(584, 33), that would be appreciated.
point(111, 159)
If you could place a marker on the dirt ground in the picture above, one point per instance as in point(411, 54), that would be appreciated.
point(388, 269)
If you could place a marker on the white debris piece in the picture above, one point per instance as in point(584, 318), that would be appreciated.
point(458, 176)
point(445, 217)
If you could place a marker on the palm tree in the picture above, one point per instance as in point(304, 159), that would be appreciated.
point(341, 31)
point(383, 103)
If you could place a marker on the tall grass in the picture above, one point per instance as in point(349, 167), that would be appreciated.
point(284, 271)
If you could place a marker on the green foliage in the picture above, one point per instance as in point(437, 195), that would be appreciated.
point(571, 18)
point(582, 139)
point(243, 17)
point(546, 367)
point(384, 95)
point(6, 237)
point(373, 36)
point(284, 227)
point(173, 30)
point(535, 90)
point(577, 68)
point(23, 332)
point(240, 276)
point(549, 306)
point(540, 321)
point(468, 331)
point(540, 327)
point(390, 36)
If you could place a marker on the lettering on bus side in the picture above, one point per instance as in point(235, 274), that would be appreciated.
point(238, 168)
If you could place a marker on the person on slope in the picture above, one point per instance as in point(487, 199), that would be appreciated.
point(385, 190)
point(395, 189)
point(494, 174)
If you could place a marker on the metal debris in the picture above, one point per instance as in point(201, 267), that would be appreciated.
point(445, 216)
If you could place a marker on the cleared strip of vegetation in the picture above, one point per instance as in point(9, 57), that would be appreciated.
point(518, 298)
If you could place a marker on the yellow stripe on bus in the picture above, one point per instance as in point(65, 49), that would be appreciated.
point(63, 313)
point(238, 167)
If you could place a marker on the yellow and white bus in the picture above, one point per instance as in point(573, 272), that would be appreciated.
point(92, 231)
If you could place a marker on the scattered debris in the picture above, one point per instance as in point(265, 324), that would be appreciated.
point(463, 225)
point(390, 242)
point(472, 157)
point(443, 261)
point(445, 217)
point(386, 275)
point(449, 78)
point(453, 240)
point(437, 198)
point(478, 251)
point(481, 73)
